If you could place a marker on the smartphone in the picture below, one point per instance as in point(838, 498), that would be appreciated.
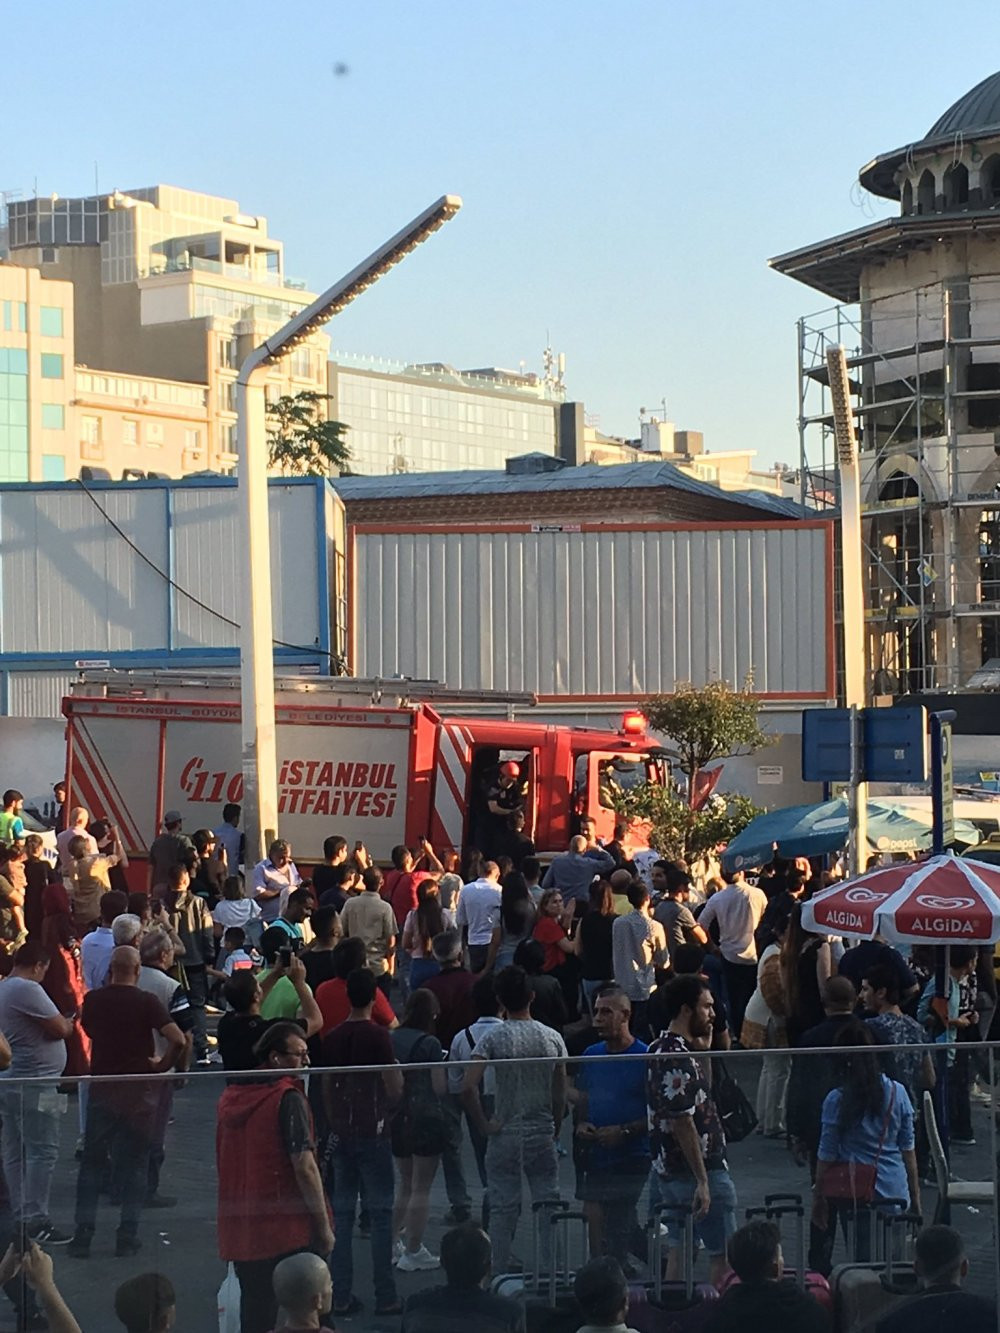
point(285, 956)
point(20, 1241)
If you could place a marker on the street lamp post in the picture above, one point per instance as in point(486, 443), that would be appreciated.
point(852, 598)
point(259, 750)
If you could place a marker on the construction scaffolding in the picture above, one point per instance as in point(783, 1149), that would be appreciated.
point(924, 367)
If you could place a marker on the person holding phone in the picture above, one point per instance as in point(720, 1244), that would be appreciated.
point(242, 1026)
point(286, 972)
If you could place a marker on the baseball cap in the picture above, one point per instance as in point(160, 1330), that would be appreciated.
point(172, 817)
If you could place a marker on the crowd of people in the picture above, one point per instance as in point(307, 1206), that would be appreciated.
point(443, 997)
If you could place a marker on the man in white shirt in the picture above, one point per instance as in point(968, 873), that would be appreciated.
point(95, 951)
point(273, 880)
point(77, 827)
point(638, 948)
point(478, 914)
point(737, 910)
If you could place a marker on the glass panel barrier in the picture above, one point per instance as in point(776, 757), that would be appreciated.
point(171, 1176)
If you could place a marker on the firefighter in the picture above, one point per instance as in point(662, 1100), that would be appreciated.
point(505, 796)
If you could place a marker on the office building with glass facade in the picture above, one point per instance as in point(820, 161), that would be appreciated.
point(36, 374)
point(432, 418)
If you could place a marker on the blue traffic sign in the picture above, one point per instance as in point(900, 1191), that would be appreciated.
point(826, 745)
point(894, 745)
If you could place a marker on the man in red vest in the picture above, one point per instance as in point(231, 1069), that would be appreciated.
point(271, 1198)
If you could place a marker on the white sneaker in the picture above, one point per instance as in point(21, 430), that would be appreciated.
point(418, 1261)
point(398, 1250)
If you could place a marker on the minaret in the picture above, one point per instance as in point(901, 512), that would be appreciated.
point(918, 309)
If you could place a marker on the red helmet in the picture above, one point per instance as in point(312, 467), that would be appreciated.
point(510, 770)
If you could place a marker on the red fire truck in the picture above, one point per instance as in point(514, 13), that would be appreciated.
point(379, 774)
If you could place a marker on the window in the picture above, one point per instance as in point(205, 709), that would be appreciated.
point(925, 193)
point(15, 317)
point(906, 198)
point(225, 395)
point(229, 439)
point(192, 438)
point(956, 186)
point(53, 467)
point(227, 352)
point(302, 364)
point(130, 431)
point(52, 366)
point(989, 176)
point(90, 438)
point(53, 416)
point(51, 321)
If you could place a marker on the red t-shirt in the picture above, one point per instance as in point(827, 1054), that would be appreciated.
point(549, 932)
point(399, 889)
point(335, 1007)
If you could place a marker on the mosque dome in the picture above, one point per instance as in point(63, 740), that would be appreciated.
point(976, 111)
point(975, 116)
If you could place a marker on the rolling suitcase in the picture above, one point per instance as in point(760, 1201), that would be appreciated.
point(776, 1207)
point(546, 1291)
point(671, 1307)
point(864, 1292)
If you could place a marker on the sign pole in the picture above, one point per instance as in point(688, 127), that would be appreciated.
point(943, 835)
point(942, 781)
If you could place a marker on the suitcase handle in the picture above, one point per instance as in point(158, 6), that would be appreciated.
point(777, 1201)
point(683, 1213)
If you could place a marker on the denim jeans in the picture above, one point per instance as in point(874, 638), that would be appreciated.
point(363, 1167)
point(477, 957)
point(451, 1158)
point(157, 1150)
point(121, 1132)
point(197, 991)
point(528, 1148)
point(30, 1145)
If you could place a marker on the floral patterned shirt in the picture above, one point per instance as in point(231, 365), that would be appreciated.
point(677, 1085)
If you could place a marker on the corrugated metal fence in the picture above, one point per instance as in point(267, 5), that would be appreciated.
point(599, 611)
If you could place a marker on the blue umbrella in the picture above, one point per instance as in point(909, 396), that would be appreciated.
point(814, 830)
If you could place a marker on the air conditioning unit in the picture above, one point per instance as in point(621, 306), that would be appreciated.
point(133, 474)
point(95, 474)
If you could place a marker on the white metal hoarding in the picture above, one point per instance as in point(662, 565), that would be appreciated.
point(119, 570)
point(339, 770)
point(597, 611)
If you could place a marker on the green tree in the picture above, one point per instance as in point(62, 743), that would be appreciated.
point(677, 831)
point(301, 441)
point(708, 722)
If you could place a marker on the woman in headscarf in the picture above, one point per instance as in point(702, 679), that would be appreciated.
point(63, 982)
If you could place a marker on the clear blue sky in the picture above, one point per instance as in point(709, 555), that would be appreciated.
point(627, 169)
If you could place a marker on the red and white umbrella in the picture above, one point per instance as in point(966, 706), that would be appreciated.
point(944, 900)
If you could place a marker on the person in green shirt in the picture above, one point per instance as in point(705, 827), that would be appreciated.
point(11, 823)
point(284, 997)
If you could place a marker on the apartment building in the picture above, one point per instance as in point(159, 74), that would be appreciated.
point(171, 287)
